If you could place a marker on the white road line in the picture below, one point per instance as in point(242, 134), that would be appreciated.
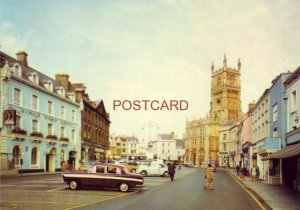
point(56, 189)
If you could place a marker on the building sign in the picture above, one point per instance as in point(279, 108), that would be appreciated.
point(10, 117)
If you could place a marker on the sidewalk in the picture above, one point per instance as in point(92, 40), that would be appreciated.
point(277, 197)
point(14, 173)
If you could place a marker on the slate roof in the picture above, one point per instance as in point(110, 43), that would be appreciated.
point(27, 71)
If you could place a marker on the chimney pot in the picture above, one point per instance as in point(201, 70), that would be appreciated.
point(22, 57)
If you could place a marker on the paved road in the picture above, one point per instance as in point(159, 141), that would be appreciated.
point(186, 192)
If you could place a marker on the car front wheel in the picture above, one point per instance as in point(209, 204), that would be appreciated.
point(123, 187)
point(133, 171)
point(166, 174)
point(144, 173)
point(74, 185)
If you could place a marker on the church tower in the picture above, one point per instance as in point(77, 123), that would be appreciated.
point(225, 105)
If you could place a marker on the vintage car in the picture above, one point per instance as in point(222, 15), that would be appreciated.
point(131, 166)
point(153, 169)
point(103, 176)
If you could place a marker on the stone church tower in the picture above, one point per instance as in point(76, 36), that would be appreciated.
point(225, 105)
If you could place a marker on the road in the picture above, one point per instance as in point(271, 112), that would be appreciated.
point(186, 192)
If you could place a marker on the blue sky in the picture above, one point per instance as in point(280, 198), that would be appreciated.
point(154, 50)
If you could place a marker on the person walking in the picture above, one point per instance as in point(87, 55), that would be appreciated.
point(209, 177)
point(237, 169)
point(253, 173)
point(171, 170)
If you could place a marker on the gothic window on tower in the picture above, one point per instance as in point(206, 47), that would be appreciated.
point(219, 81)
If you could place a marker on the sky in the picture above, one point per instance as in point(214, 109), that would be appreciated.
point(154, 50)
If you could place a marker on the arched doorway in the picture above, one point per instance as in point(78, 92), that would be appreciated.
point(72, 159)
point(16, 156)
point(50, 160)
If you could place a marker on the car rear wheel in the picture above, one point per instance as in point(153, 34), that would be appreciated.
point(166, 174)
point(74, 185)
point(144, 173)
point(123, 187)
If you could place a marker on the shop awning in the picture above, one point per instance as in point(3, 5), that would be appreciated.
point(286, 152)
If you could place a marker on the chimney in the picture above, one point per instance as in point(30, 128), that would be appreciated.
point(63, 79)
point(22, 57)
point(251, 105)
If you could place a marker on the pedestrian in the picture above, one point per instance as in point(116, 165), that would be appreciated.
point(237, 169)
point(209, 177)
point(171, 170)
point(253, 173)
point(257, 172)
point(243, 174)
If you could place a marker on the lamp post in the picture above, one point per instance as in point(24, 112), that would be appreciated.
point(150, 125)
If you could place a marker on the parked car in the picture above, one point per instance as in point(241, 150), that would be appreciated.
point(104, 176)
point(153, 169)
point(131, 166)
point(86, 165)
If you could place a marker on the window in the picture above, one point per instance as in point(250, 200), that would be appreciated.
point(34, 79)
point(73, 136)
point(17, 96)
point(50, 108)
point(275, 132)
point(224, 146)
point(50, 129)
point(16, 155)
point(34, 156)
point(294, 101)
point(62, 131)
point(62, 155)
point(18, 122)
point(73, 116)
point(275, 113)
point(34, 125)
point(163, 151)
point(62, 112)
point(34, 102)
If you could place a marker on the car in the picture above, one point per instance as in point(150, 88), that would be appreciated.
point(103, 175)
point(153, 169)
point(86, 166)
point(131, 166)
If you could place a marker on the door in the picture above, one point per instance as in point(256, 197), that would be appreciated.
point(47, 163)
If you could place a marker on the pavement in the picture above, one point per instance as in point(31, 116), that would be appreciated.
point(15, 173)
point(277, 197)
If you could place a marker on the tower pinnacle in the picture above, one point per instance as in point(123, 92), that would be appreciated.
point(212, 66)
point(225, 61)
point(239, 64)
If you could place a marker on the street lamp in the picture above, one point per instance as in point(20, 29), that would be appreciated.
point(150, 125)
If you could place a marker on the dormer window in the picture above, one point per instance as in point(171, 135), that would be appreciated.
point(60, 91)
point(33, 77)
point(49, 85)
point(16, 70)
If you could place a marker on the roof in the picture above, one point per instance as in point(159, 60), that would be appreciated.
point(289, 151)
point(27, 70)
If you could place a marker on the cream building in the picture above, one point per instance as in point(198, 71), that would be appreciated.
point(196, 141)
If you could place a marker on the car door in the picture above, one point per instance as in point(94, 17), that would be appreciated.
point(162, 169)
point(154, 169)
point(100, 176)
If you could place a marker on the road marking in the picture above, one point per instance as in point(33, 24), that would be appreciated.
point(94, 202)
point(250, 193)
point(46, 202)
point(56, 189)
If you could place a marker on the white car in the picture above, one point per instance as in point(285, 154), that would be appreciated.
point(154, 169)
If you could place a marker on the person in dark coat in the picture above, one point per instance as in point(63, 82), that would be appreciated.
point(171, 170)
point(237, 169)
